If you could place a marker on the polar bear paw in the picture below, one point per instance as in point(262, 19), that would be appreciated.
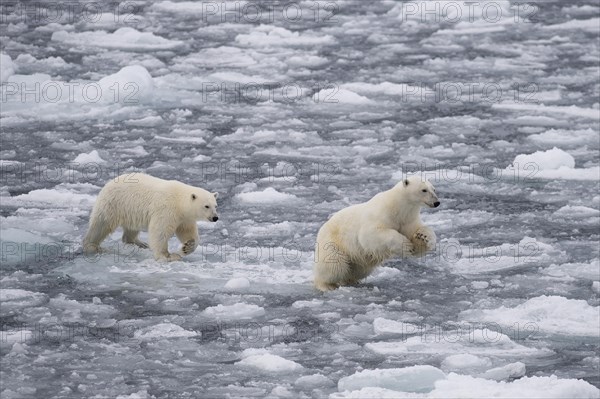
point(188, 247)
point(423, 241)
point(169, 258)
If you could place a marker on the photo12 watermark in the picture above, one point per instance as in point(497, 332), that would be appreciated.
point(125, 13)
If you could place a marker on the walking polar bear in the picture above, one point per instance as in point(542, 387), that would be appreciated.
point(358, 238)
point(162, 207)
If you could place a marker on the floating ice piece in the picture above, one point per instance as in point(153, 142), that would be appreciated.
point(235, 311)
point(573, 110)
point(409, 379)
point(273, 36)
point(340, 96)
point(566, 137)
point(590, 25)
point(385, 88)
point(92, 157)
point(7, 67)
point(313, 381)
point(506, 256)
point(383, 326)
point(308, 61)
point(551, 164)
point(148, 121)
point(475, 342)
point(163, 330)
point(551, 314)
point(551, 159)
point(237, 77)
point(268, 196)
point(123, 39)
point(270, 362)
point(462, 386)
point(58, 197)
point(467, 387)
point(184, 7)
point(465, 361)
point(511, 370)
point(589, 271)
point(131, 85)
point(315, 303)
point(237, 284)
point(577, 212)
point(13, 299)
point(376, 393)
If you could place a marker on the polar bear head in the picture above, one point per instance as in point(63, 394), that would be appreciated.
point(204, 205)
point(420, 191)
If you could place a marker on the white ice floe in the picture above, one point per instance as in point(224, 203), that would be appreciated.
point(470, 260)
point(340, 96)
point(131, 85)
point(566, 137)
point(548, 314)
point(268, 196)
point(577, 212)
point(235, 311)
point(409, 379)
point(269, 362)
point(13, 299)
point(163, 330)
point(551, 164)
point(123, 39)
point(590, 25)
point(567, 111)
point(7, 67)
point(309, 382)
point(237, 284)
point(502, 373)
point(465, 361)
point(383, 326)
point(274, 36)
point(89, 158)
point(463, 386)
point(482, 342)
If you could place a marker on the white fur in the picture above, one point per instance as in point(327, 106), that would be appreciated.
point(162, 207)
point(358, 238)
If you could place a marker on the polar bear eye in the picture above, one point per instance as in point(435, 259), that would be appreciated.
point(193, 196)
point(424, 191)
point(206, 206)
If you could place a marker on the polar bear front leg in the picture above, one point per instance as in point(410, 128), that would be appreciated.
point(187, 233)
point(158, 237)
point(385, 242)
point(424, 240)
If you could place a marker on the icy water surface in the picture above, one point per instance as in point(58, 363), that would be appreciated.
point(292, 111)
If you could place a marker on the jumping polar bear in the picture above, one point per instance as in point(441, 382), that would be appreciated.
point(162, 207)
point(358, 238)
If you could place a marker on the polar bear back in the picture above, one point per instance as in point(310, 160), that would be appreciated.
point(132, 200)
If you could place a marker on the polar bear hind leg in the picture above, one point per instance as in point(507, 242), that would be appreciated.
point(332, 268)
point(97, 232)
point(131, 237)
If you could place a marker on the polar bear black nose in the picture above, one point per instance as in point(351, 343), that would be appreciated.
point(436, 204)
point(215, 218)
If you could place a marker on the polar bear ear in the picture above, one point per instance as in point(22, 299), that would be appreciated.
point(216, 195)
point(405, 182)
